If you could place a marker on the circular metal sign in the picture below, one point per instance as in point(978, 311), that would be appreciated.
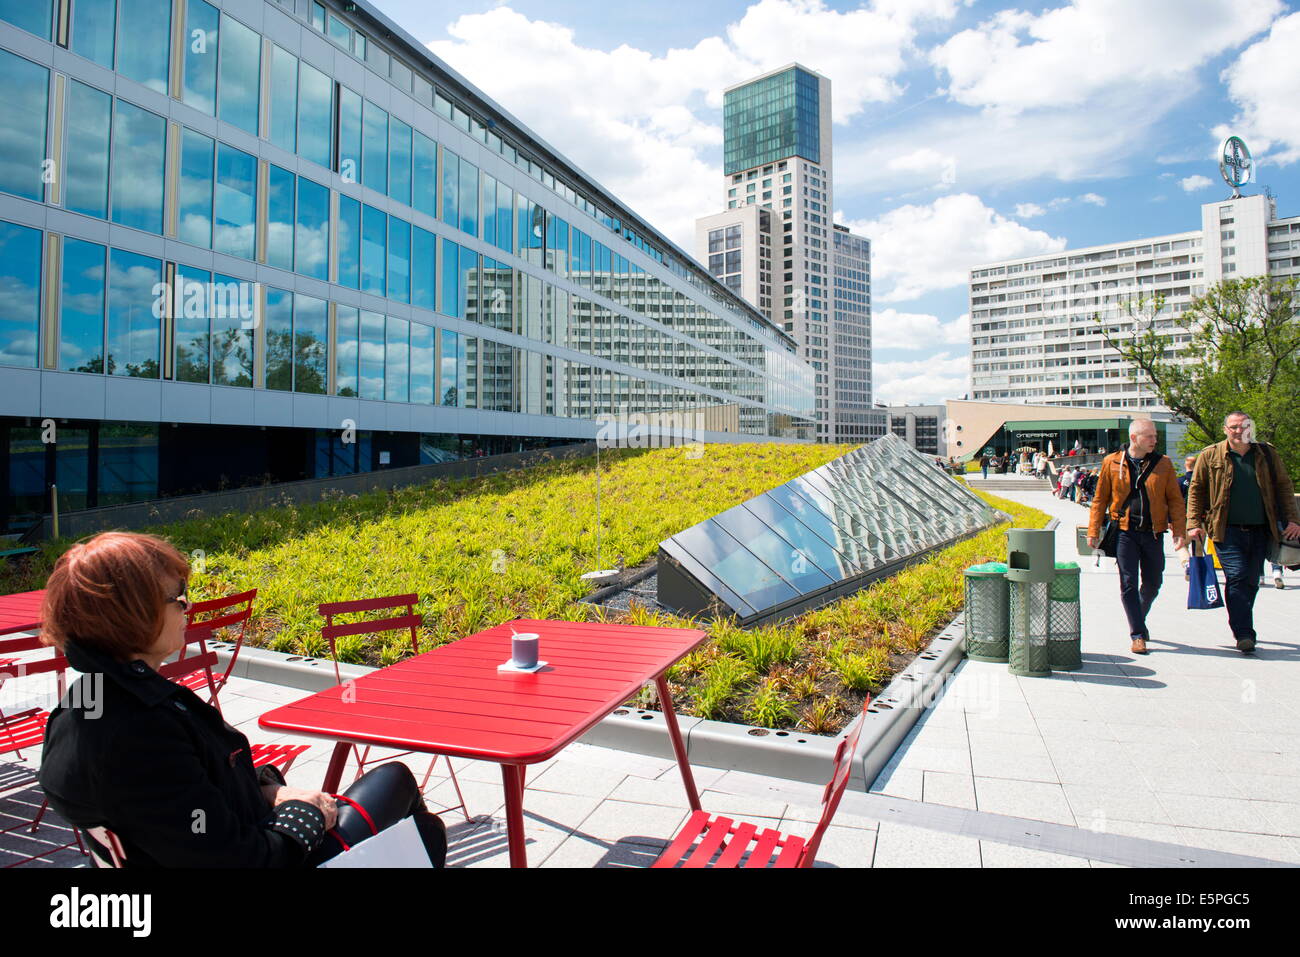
point(1235, 164)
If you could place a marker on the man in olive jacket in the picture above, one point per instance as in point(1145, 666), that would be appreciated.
point(1138, 488)
point(1241, 496)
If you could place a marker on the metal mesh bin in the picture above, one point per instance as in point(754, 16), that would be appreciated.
point(987, 612)
point(1064, 619)
point(1030, 625)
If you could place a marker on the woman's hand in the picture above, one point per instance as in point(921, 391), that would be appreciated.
point(278, 794)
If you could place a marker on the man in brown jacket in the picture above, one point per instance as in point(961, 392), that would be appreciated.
point(1241, 496)
point(1138, 488)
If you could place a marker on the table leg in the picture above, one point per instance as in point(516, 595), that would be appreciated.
point(512, 779)
point(679, 746)
point(334, 773)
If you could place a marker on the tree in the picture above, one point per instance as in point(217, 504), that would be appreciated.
point(1241, 351)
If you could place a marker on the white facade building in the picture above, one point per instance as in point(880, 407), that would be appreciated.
point(776, 246)
point(1033, 335)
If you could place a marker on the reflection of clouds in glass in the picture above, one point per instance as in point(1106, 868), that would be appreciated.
point(133, 327)
point(19, 350)
point(196, 228)
point(26, 91)
point(240, 74)
point(20, 294)
point(235, 240)
point(279, 245)
point(139, 145)
point(145, 52)
point(312, 250)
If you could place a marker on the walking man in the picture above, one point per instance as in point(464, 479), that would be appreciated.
point(1138, 488)
point(1241, 496)
point(984, 464)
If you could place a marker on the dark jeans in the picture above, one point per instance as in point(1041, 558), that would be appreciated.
point(1241, 554)
point(388, 793)
point(1139, 555)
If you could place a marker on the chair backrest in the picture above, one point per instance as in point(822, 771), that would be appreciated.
point(212, 614)
point(188, 662)
point(835, 786)
point(369, 626)
point(51, 661)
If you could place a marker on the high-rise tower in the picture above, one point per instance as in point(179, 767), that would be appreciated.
point(776, 245)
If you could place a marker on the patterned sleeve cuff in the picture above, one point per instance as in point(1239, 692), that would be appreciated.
point(300, 822)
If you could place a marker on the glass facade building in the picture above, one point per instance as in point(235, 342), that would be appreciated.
point(772, 118)
point(234, 234)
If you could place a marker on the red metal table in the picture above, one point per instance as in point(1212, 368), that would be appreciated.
point(453, 701)
point(21, 612)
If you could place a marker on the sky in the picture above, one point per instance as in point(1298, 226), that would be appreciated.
point(965, 131)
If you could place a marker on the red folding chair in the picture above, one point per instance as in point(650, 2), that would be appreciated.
point(26, 731)
point(331, 632)
point(707, 838)
point(232, 613)
point(193, 669)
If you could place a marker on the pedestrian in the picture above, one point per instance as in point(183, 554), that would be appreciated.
point(1189, 463)
point(1241, 496)
point(984, 464)
point(1067, 484)
point(1138, 488)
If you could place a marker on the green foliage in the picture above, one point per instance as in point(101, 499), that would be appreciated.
point(768, 708)
point(1245, 346)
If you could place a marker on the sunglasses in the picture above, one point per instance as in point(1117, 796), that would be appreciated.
point(183, 600)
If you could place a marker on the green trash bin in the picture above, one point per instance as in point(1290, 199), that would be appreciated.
point(987, 612)
point(1064, 634)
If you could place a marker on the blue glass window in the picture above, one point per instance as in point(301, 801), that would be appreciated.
point(284, 99)
point(422, 367)
point(339, 32)
point(34, 17)
point(23, 111)
point(425, 174)
point(195, 217)
point(144, 41)
point(139, 155)
point(202, 29)
point(280, 221)
point(424, 263)
point(557, 245)
point(468, 198)
point(81, 318)
point(399, 260)
point(346, 346)
point(450, 188)
point(467, 282)
point(278, 318)
point(374, 237)
point(374, 148)
point(241, 75)
point(193, 333)
point(135, 309)
point(315, 115)
point(370, 369)
point(312, 239)
point(488, 204)
point(349, 242)
point(349, 136)
point(310, 344)
point(235, 212)
point(451, 373)
point(397, 360)
point(20, 290)
point(451, 279)
point(232, 308)
point(505, 215)
point(93, 26)
point(399, 161)
point(89, 119)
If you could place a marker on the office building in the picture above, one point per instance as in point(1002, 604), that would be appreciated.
point(250, 241)
point(775, 243)
point(921, 426)
point(1033, 335)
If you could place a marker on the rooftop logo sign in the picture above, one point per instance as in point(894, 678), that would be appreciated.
point(1235, 163)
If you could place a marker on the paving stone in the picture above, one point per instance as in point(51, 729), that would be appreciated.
point(1036, 800)
point(901, 845)
point(952, 790)
point(994, 854)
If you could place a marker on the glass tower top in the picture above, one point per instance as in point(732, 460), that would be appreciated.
point(770, 119)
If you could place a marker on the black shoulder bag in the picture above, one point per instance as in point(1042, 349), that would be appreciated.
point(1109, 545)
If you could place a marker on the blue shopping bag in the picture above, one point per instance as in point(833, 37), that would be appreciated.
point(1203, 589)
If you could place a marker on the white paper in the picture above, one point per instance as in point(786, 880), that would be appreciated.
point(397, 846)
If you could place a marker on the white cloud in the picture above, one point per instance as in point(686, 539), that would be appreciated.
point(924, 381)
point(1265, 85)
point(1093, 199)
point(631, 119)
point(920, 249)
point(1063, 57)
point(1191, 184)
point(891, 329)
point(1028, 210)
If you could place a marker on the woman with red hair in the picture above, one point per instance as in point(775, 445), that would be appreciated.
point(154, 763)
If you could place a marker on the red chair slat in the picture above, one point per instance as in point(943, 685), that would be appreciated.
point(280, 755)
point(23, 730)
point(695, 824)
point(211, 604)
point(330, 608)
point(717, 832)
point(741, 836)
point(791, 853)
point(372, 627)
point(766, 845)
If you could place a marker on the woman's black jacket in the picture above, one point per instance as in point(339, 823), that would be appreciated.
point(131, 751)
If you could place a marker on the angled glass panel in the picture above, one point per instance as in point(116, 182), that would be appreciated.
point(34, 17)
point(20, 291)
point(801, 537)
point(197, 172)
point(787, 560)
point(199, 77)
point(93, 25)
point(135, 310)
point(737, 568)
point(144, 29)
point(193, 330)
point(90, 118)
point(241, 71)
point(315, 115)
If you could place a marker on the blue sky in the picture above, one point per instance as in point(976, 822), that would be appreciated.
point(965, 131)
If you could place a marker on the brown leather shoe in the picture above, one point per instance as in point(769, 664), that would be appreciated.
point(1139, 646)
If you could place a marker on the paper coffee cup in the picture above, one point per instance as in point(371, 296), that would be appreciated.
point(523, 650)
